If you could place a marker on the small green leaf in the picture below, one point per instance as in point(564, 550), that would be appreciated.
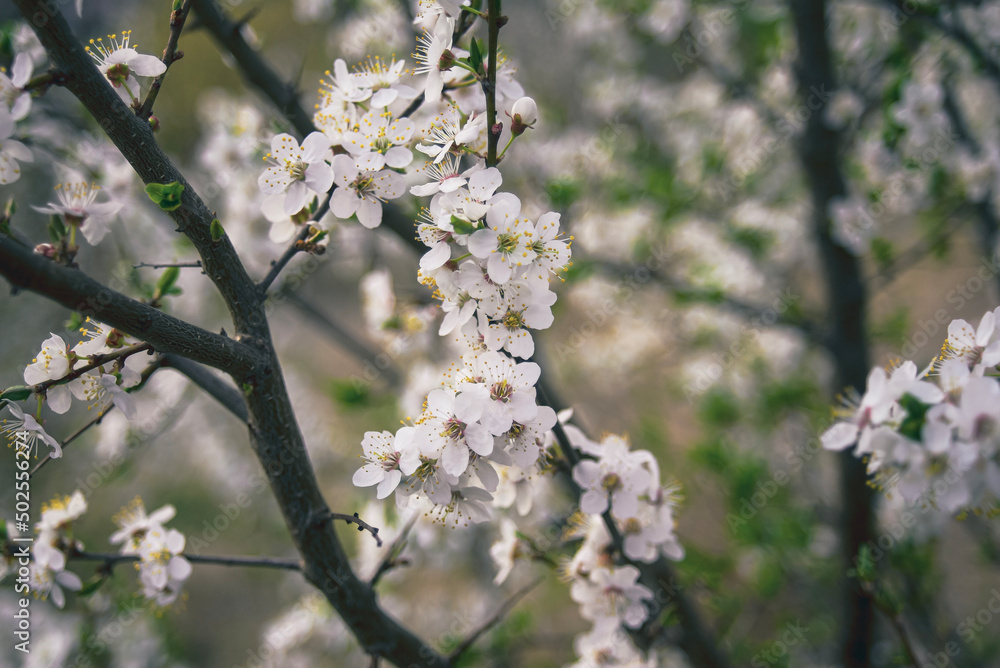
point(462, 226)
point(57, 231)
point(216, 229)
point(167, 280)
point(177, 5)
point(16, 393)
point(475, 56)
point(166, 195)
point(247, 389)
point(92, 585)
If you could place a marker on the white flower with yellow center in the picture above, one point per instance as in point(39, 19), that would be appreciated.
point(301, 172)
point(379, 134)
point(78, 210)
point(121, 64)
point(53, 362)
point(23, 423)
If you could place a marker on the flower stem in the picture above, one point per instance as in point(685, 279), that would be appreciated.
point(490, 85)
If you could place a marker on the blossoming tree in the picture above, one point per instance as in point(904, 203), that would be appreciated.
point(448, 156)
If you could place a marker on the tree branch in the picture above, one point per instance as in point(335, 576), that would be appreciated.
point(111, 560)
point(78, 292)
point(504, 610)
point(256, 70)
point(170, 55)
point(820, 153)
point(95, 362)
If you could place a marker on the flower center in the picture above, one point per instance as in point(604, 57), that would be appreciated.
point(501, 391)
point(513, 319)
point(117, 74)
point(611, 482)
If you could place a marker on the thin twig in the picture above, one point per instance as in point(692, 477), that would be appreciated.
point(96, 361)
point(111, 560)
point(350, 519)
point(507, 606)
point(294, 248)
point(896, 621)
point(170, 56)
point(181, 265)
point(490, 85)
point(390, 560)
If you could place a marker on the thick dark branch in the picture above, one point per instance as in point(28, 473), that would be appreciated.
point(256, 70)
point(170, 54)
point(79, 292)
point(111, 560)
point(497, 617)
point(218, 389)
point(134, 138)
point(820, 153)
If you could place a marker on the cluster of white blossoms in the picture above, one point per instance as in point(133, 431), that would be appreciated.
point(933, 436)
point(15, 103)
point(55, 538)
point(97, 387)
point(162, 569)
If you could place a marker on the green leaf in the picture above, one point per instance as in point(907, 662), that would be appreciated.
point(167, 280)
point(216, 229)
point(92, 585)
point(57, 231)
point(475, 56)
point(462, 226)
point(166, 195)
point(916, 413)
point(347, 392)
point(16, 393)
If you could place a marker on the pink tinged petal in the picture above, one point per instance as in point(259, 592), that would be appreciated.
point(455, 458)
point(296, 197)
point(840, 436)
point(440, 402)
point(985, 330)
point(370, 214)
point(398, 157)
point(344, 170)
point(498, 268)
point(496, 418)
point(453, 183)
point(521, 344)
point(524, 409)
point(434, 86)
point(59, 399)
point(625, 502)
point(436, 256)
point(285, 147)
point(470, 403)
point(389, 185)
point(273, 208)
point(487, 475)
point(370, 162)
point(529, 374)
point(273, 181)
point(179, 568)
point(483, 184)
point(21, 70)
point(384, 97)
point(593, 502)
point(389, 483)
point(425, 190)
point(991, 355)
point(319, 177)
point(479, 439)
point(315, 148)
point(146, 66)
point(343, 203)
point(21, 107)
point(125, 403)
point(368, 475)
point(587, 473)
point(483, 243)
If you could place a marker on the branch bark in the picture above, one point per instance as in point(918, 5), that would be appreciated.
point(819, 151)
point(274, 431)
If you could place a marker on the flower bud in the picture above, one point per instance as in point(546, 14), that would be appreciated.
point(446, 61)
point(524, 114)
